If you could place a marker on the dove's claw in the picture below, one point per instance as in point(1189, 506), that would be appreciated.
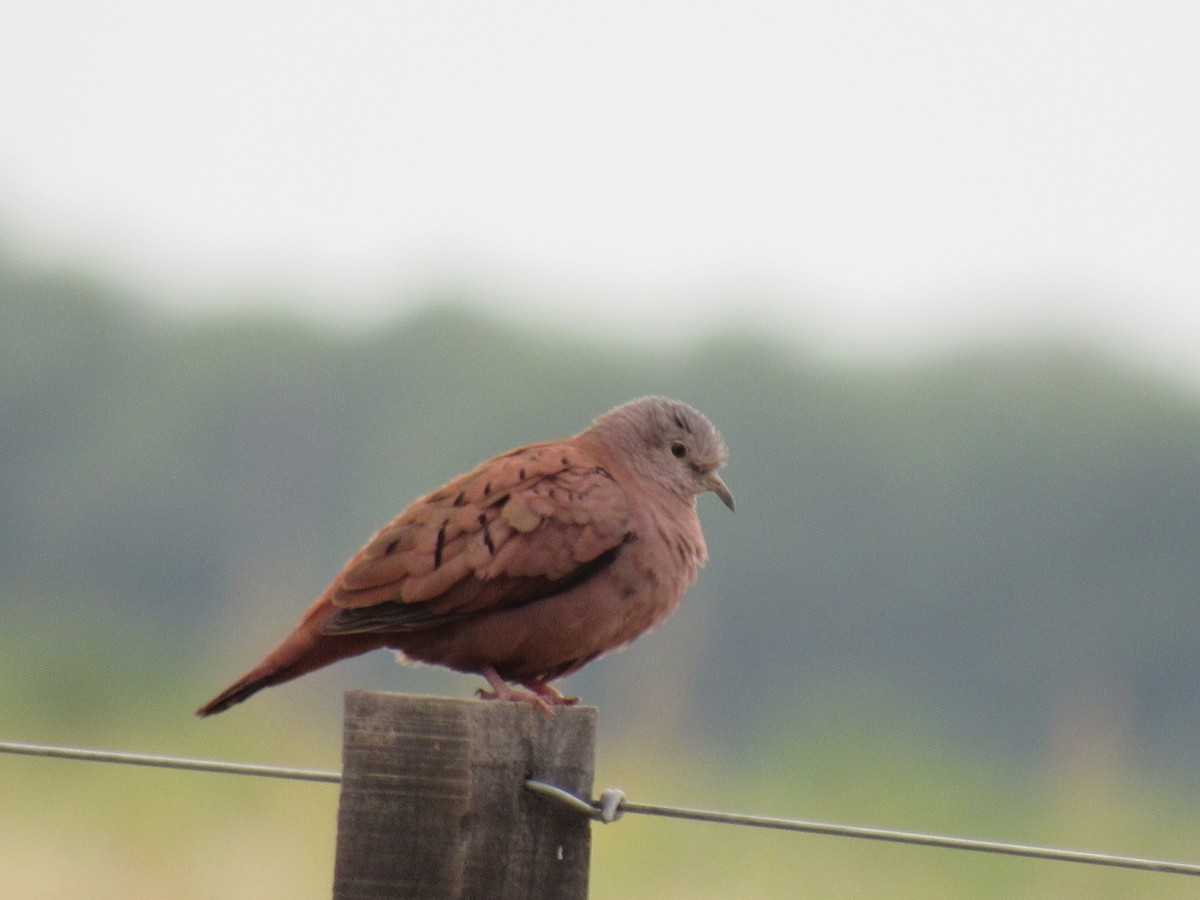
point(549, 693)
point(501, 690)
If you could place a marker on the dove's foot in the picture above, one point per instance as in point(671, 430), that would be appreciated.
point(548, 693)
point(540, 694)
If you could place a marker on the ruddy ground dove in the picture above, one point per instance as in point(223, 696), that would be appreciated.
point(528, 567)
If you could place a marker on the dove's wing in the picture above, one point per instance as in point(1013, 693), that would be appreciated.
point(523, 526)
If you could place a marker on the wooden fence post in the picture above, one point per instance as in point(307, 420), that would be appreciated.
point(433, 803)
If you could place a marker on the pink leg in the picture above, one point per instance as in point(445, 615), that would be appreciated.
point(501, 690)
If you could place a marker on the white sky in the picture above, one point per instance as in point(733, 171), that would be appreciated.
point(873, 174)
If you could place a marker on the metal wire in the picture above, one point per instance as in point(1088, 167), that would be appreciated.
point(605, 810)
point(169, 762)
point(612, 804)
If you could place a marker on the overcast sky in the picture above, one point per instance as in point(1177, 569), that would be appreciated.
point(873, 174)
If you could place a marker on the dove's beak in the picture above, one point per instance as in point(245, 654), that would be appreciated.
point(713, 482)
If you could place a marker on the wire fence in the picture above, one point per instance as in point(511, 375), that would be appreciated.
point(612, 805)
point(168, 762)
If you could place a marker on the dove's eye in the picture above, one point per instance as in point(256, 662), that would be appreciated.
point(678, 449)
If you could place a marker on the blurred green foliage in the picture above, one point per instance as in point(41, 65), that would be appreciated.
point(959, 594)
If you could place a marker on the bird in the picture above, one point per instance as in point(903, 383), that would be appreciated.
point(528, 567)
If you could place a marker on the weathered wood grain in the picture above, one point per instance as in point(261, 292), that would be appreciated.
point(433, 803)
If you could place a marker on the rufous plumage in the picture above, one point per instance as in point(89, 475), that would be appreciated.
point(528, 567)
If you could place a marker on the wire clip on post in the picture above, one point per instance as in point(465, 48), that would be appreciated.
point(607, 809)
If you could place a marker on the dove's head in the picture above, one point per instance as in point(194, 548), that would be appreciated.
point(671, 441)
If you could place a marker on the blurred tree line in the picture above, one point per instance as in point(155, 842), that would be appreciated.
point(1009, 534)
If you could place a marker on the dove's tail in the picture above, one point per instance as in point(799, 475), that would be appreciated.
point(251, 683)
point(302, 651)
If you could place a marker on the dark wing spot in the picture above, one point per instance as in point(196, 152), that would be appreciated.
point(487, 489)
point(391, 547)
point(389, 616)
point(565, 461)
point(487, 540)
point(588, 569)
point(602, 472)
point(461, 499)
point(501, 500)
point(483, 519)
point(521, 475)
point(441, 544)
